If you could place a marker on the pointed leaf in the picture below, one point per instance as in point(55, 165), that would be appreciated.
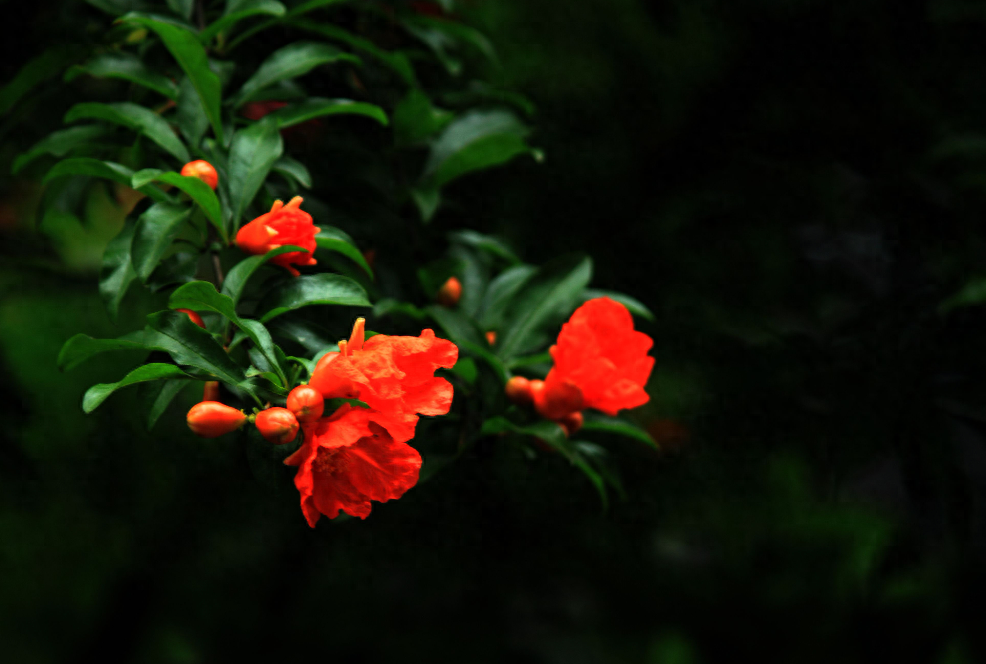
point(310, 290)
point(156, 229)
point(81, 347)
point(60, 143)
point(237, 277)
point(128, 67)
point(191, 116)
point(136, 117)
point(253, 152)
point(97, 394)
point(289, 62)
point(294, 169)
point(633, 305)
point(334, 239)
point(597, 422)
point(197, 190)
point(184, 9)
point(236, 11)
point(190, 345)
point(169, 390)
point(397, 62)
point(317, 107)
point(100, 169)
point(500, 293)
point(117, 272)
point(416, 118)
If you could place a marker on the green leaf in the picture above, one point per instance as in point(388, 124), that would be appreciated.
point(183, 8)
point(190, 55)
point(317, 107)
point(156, 229)
point(454, 31)
point(475, 140)
point(169, 390)
point(197, 190)
point(972, 294)
point(314, 289)
point(487, 243)
point(117, 272)
point(291, 61)
point(128, 67)
point(237, 277)
point(100, 169)
point(415, 118)
point(397, 62)
point(36, 71)
point(136, 117)
point(500, 293)
point(293, 169)
point(60, 143)
point(202, 296)
point(427, 199)
point(252, 153)
point(236, 11)
point(389, 306)
point(633, 305)
point(190, 345)
point(546, 300)
point(191, 116)
point(464, 334)
point(439, 42)
point(334, 239)
point(97, 394)
point(81, 347)
point(598, 422)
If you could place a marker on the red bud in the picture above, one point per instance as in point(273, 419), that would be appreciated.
point(491, 337)
point(277, 425)
point(211, 391)
point(519, 390)
point(210, 419)
point(194, 316)
point(571, 423)
point(202, 170)
point(554, 399)
point(449, 293)
point(306, 403)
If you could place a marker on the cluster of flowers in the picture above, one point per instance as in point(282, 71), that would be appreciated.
point(356, 455)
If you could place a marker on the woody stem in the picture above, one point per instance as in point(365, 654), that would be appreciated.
point(217, 267)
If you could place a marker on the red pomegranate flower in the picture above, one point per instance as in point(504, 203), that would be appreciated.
point(284, 224)
point(346, 461)
point(395, 376)
point(601, 362)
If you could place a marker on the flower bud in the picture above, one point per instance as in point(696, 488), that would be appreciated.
point(491, 337)
point(554, 399)
point(519, 390)
point(277, 425)
point(210, 419)
point(194, 316)
point(571, 423)
point(202, 170)
point(306, 403)
point(449, 293)
point(211, 391)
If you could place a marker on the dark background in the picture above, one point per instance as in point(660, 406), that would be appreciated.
point(794, 187)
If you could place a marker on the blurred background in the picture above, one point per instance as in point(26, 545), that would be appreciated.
point(796, 188)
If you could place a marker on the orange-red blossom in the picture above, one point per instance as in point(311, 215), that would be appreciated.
point(284, 224)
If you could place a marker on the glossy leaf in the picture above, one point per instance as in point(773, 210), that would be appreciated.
point(475, 140)
point(169, 390)
point(136, 117)
point(100, 169)
point(310, 290)
point(546, 300)
point(416, 118)
point(486, 243)
point(191, 116)
point(633, 305)
point(293, 169)
point(289, 62)
point(334, 239)
point(599, 422)
point(97, 394)
point(190, 345)
point(156, 229)
point(237, 277)
point(500, 293)
point(81, 347)
point(317, 107)
point(390, 306)
point(397, 62)
point(128, 67)
point(117, 272)
point(60, 143)
point(236, 11)
point(454, 32)
point(191, 57)
point(197, 190)
point(252, 153)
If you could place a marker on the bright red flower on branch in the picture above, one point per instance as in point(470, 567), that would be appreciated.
point(284, 224)
point(601, 362)
point(346, 461)
point(394, 376)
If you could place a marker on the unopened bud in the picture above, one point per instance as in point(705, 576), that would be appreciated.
point(449, 293)
point(571, 423)
point(306, 403)
point(519, 390)
point(210, 392)
point(554, 399)
point(193, 316)
point(210, 419)
point(202, 170)
point(277, 425)
point(491, 337)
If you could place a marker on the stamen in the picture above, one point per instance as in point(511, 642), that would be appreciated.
point(278, 204)
point(295, 202)
point(344, 348)
point(357, 337)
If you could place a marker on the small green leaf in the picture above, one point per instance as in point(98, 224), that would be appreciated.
point(100, 169)
point(237, 277)
point(633, 305)
point(425, 27)
point(60, 143)
point(500, 293)
point(81, 347)
point(191, 116)
point(546, 300)
point(156, 229)
point(415, 118)
point(426, 199)
point(597, 422)
point(128, 67)
point(252, 153)
point(197, 190)
point(389, 306)
point(236, 11)
point(397, 62)
point(972, 294)
point(184, 9)
point(289, 62)
point(117, 272)
point(293, 169)
point(314, 289)
point(190, 55)
point(97, 394)
point(334, 239)
point(487, 243)
point(136, 117)
point(169, 390)
point(317, 107)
